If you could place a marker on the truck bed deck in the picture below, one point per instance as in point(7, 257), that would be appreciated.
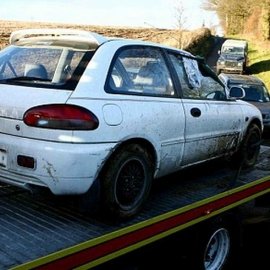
point(42, 231)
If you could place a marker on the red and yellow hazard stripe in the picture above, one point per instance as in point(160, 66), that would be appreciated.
point(99, 250)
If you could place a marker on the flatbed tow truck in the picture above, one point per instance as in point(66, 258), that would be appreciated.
point(46, 232)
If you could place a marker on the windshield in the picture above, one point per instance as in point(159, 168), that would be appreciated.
point(257, 93)
point(43, 66)
point(232, 50)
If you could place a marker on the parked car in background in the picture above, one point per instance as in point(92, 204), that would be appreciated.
point(233, 57)
point(81, 113)
point(255, 92)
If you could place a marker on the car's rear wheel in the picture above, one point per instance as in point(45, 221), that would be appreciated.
point(126, 181)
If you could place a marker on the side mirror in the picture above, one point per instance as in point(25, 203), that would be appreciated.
point(237, 92)
point(218, 51)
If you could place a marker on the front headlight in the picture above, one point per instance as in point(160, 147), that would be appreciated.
point(222, 62)
point(240, 64)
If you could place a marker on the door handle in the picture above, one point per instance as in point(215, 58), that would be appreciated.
point(195, 112)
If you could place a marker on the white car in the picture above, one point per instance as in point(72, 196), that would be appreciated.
point(80, 113)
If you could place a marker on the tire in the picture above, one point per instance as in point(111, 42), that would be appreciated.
point(126, 182)
point(217, 247)
point(247, 154)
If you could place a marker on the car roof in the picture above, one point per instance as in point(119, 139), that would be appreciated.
point(240, 79)
point(235, 43)
point(76, 38)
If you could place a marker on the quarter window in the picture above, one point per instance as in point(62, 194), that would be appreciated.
point(141, 70)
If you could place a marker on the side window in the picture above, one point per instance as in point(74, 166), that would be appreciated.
point(212, 89)
point(188, 90)
point(140, 70)
point(196, 79)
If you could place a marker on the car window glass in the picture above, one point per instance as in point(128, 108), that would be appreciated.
point(205, 86)
point(48, 66)
point(233, 50)
point(141, 70)
point(187, 89)
point(212, 89)
point(254, 92)
point(266, 94)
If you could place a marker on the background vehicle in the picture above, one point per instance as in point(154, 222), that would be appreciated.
point(81, 113)
point(233, 57)
point(255, 92)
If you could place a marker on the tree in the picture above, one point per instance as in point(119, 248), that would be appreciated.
point(233, 14)
point(265, 20)
point(181, 20)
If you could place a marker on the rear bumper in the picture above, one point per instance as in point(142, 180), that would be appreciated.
point(64, 168)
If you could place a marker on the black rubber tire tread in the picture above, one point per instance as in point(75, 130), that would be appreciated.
point(252, 133)
point(244, 158)
point(111, 204)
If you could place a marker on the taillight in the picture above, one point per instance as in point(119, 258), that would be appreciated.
point(61, 116)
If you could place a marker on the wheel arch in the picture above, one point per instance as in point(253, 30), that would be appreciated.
point(92, 198)
point(257, 122)
point(254, 121)
point(145, 144)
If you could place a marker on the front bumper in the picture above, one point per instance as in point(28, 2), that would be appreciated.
point(232, 67)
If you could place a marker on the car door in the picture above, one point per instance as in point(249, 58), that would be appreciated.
point(213, 122)
point(142, 89)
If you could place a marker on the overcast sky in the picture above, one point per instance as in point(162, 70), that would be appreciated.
point(138, 13)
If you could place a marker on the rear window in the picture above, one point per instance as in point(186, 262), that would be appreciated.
point(40, 66)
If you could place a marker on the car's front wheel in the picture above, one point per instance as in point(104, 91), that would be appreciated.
point(247, 154)
point(250, 148)
point(126, 181)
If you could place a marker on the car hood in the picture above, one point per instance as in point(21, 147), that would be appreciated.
point(264, 107)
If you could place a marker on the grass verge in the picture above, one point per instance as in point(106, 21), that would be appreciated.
point(259, 61)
